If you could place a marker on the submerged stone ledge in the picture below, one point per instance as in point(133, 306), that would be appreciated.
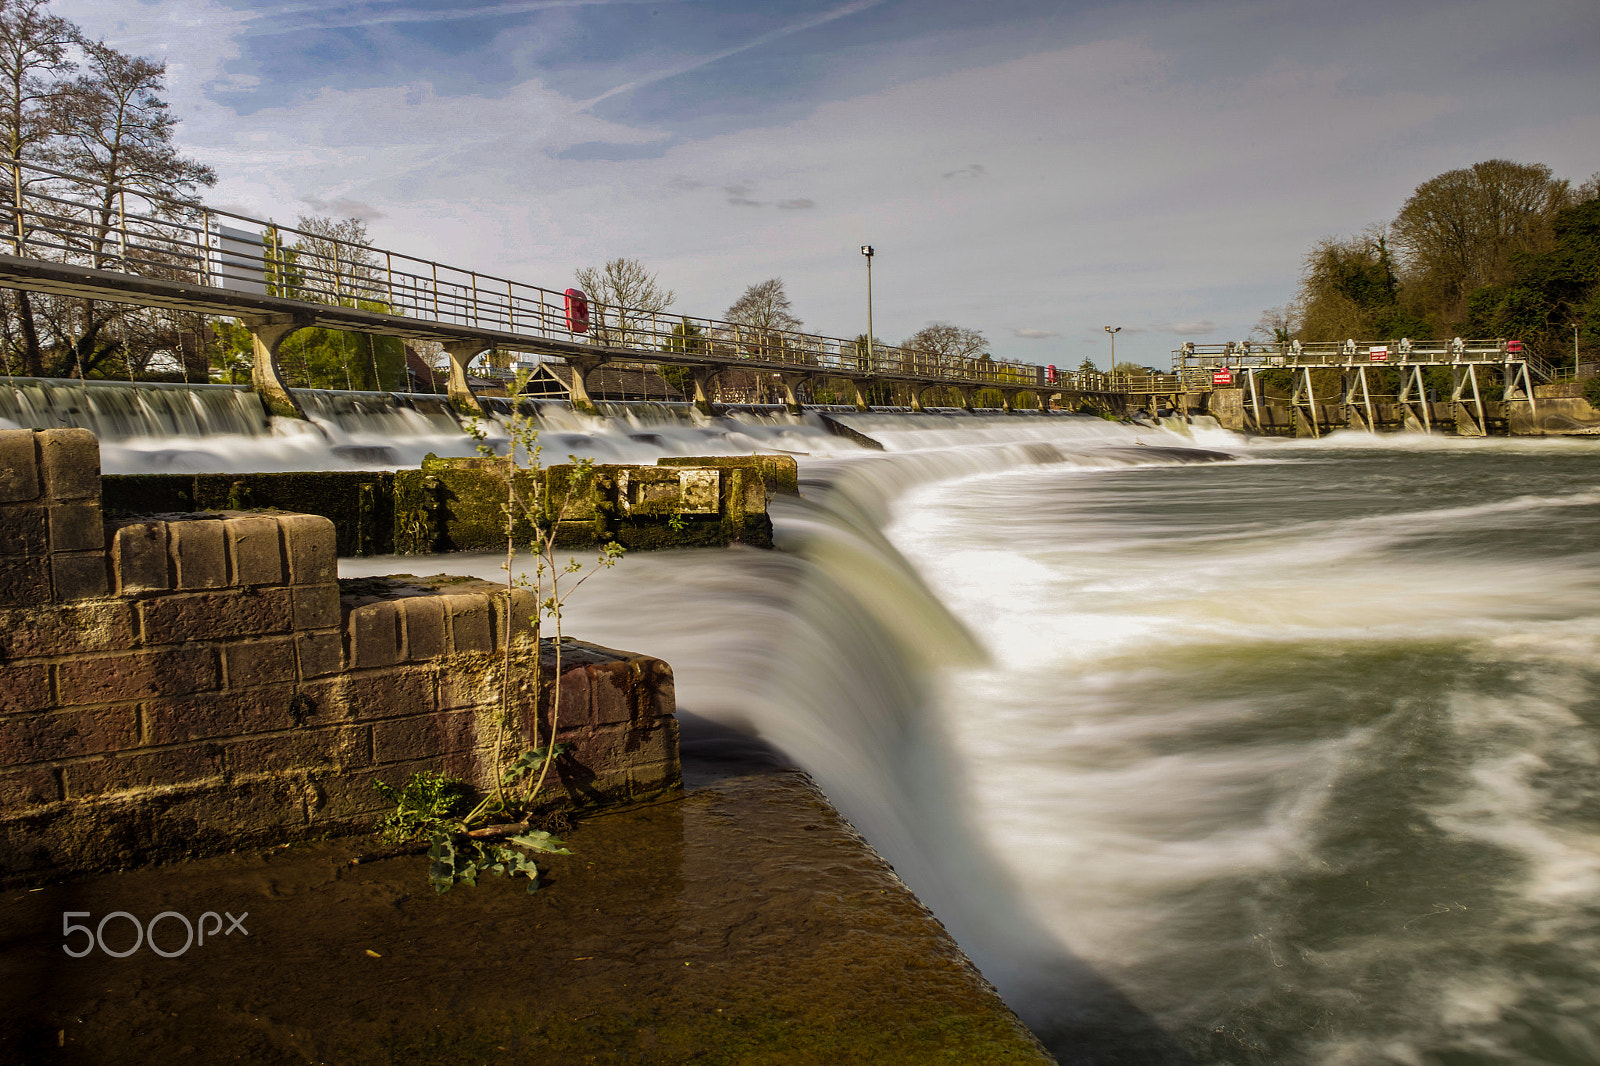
point(744, 922)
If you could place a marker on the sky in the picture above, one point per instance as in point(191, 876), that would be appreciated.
point(1034, 170)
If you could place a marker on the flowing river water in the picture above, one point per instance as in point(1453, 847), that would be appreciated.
point(1285, 759)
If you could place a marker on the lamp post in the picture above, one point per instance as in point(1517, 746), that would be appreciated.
point(866, 250)
point(1113, 332)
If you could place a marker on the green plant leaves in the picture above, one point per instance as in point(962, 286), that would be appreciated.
point(539, 840)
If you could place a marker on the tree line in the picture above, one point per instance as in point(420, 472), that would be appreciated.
point(1497, 249)
point(623, 292)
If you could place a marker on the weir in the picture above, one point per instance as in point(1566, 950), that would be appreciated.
point(187, 684)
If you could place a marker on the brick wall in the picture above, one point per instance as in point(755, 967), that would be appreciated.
point(171, 685)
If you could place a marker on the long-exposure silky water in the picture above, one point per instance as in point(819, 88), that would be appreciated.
point(1284, 759)
point(1290, 759)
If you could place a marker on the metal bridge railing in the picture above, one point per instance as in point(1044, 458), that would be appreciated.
point(1197, 362)
point(68, 218)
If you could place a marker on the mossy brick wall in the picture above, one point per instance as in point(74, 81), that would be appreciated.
point(180, 684)
point(703, 501)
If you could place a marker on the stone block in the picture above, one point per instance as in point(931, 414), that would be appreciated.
point(471, 622)
point(373, 632)
point(137, 675)
point(424, 736)
point(319, 653)
point(67, 629)
point(142, 770)
point(469, 681)
point(324, 701)
point(234, 612)
point(425, 633)
point(330, 747)
point(69, 460)
point(199, 554)
point(76, 526)
point(520, 626)
point(24, 581)
point(24, 529)
point(139, 559)
point(19, 466)
point(267, 709)
point(255, 550)
point(347, 800)
point(34, 786)
point(24, 688)
point(391, 693)
point(309, 544)
point(79, 575)
point(36, 738)
point(316, 606)
point(253, 663)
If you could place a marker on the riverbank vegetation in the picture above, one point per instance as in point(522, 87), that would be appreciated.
point(1497, 249)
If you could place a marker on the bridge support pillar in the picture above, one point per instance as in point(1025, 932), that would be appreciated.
point(266, 334)
point(968, 392)
point(703, 376)
point(462, 398)
point(1008, 400)
point(916, 399)
point(861, 395)
point(582, 366)
point(791, 398)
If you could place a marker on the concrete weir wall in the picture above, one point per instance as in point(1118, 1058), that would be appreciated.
point(455, 504)
point(177, 684)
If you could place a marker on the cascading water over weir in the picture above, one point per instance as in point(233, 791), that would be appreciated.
point(1284, 759)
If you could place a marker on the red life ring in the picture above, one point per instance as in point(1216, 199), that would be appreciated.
point(577, 311)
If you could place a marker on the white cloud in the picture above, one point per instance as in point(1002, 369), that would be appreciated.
point(1199, 328)
point(1152, 172)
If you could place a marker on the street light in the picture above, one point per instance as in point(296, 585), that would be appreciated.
point(1113, 332)
point(866, 250)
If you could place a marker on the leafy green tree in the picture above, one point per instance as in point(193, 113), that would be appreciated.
point(1349, 289)
point(1548, 293)
point(685, 337)
point(317, 358)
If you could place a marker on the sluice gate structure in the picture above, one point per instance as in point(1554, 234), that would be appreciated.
point(1309, 389)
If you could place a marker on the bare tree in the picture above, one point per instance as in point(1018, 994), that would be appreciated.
point(764, 306)
point(942, 340)
point(34, 61)
point(1458, 231)
point(116, 131)
point(334, 262)
point(1278, 325)
point(622, 294)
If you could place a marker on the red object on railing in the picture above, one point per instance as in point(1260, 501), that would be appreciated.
point(1222, 377)
point(577, 311)
point(1377, 353)
point(1050, 374)
point(1513, 347)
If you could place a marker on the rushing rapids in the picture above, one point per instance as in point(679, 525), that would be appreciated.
point(1288, 759)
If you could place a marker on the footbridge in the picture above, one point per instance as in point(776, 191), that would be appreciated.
point(75, 237)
